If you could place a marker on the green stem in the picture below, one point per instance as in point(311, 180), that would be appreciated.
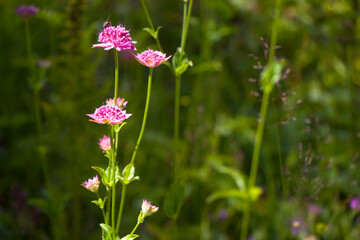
point(260, 128)
point(255, 160)
point(176, 125)
point(112, 177)
point(147, 15)
point(121, 208)
point(145, 116)
point(116, 58)
point(186, 21)
point(132, 232)
point(102, 209)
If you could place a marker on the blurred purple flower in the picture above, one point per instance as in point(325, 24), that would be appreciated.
point(297, 226)
point(26, 12)
point(355, 203)
point(314, 209)
point(223, 214)
point(43, 63)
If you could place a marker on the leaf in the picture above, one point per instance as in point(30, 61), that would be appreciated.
point(180, 62)
point(153, 33)
point(103, 174)
point(107, 232)
point(271, 75)
point(130, 237)
point(255, 193)
point(226, 194)
point(238, 177)
point(100, 203)
point(174, 200)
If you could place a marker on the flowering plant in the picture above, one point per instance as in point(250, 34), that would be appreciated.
point(113, 115)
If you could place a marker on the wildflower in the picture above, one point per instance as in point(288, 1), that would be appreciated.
point(104, 143)
point(110, 113)
point(92, 184)
point(151, 58)
point(355, 203)
point(297, 226)
point(120, 102)
point(314, 209)
point(26, 12)
point(147, 209)
point(115, 37)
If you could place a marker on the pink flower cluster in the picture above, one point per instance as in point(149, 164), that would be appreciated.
point(151, 58)
point(147, 209)
point(92, 184)
point(26, 11)
point(115, 37)
point(111, 113)
point(104, 143)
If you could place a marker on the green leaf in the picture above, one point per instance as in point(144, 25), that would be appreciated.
point(128, 174)
point(100, 203)
point(174, 200)
point(153, 33)
point(180, 62)
point(107, 232)
point(103, 174)
point(117, 175)
point(238, 177)
point(271, 75)
point(255, 193)
point(226, 194)
point(130, 237)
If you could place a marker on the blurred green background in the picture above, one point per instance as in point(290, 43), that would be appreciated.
point(313, 121)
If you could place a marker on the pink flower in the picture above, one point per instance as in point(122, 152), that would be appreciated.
point(151, 58)
point(26, 11)
point(110, 113)
point(115, 37)
point(104, 143)
point(147, 209)
point(92, 184)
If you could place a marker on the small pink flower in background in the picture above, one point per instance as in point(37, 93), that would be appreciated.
point(26, 11)
point(110, 113)
point(151, 58)
point(115, 37)
point(147, 209)
point(104, 143)
point(92, 184)
point(355, 203)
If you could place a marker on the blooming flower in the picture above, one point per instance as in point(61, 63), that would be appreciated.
point(27, 11)
point(104, 143)
point(110, 113)
point(355, 203)
point(92, 184)
point(147, 209)
point(151, 58)
point(115, 37)
point(297, 226)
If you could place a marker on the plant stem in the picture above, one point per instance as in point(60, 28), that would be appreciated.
point(137, 224)
point(121, 208)
point(176, 125)
point(145, 116)
point(260, 128)
point(102, 209)
point(112, 177)
point(116, 58)
point(28, 47)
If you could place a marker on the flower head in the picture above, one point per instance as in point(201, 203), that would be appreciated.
point(92, 184)
point(26, 12)
point(120, 102)
point(115, 37)
point(355, 203)
point(105, 143)
point(151, 58)
point(110, 113)
point(297, 226)
point(147, 209)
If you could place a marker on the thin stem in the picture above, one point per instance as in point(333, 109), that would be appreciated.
point(147, 15)
point(123, 194)
point(255, 161)
point(176, 125)
point(116, 58)
point(132, 232)
point(102, 209)
point(186, 21)
point(112, 177)
point(145, 116)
